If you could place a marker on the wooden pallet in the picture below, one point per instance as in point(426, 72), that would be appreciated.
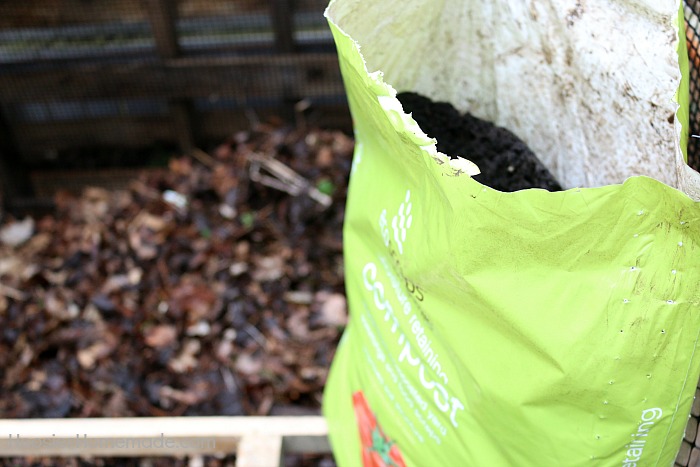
point(257, 441)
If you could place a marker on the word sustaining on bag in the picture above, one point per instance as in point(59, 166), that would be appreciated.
point(635, 449)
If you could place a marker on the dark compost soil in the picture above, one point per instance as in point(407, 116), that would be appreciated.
point(506, 163)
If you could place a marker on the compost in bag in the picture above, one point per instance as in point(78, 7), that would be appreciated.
point(531, 328)
point(505, 161)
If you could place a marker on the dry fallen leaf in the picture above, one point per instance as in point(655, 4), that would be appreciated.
point(146, 232)
point(9, 264)
point(18, 232)
point(185, 397)
point(224, 350)
point(88, 357)
point(324, 157)
point(196, 300)
point(248, 365)
point(57, 306)
point(95, 204)
point(119, 294)
point(200, 328)
point(299, 297)
point(334, 310)
point(117, 405)
point(268, 268)
point(298, 325)
point(186, 360)
point(160, 336)
point(37, 244)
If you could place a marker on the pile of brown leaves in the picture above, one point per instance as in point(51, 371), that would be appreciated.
point(199, 291)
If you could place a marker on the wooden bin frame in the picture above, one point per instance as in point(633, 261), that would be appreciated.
point(257, 441)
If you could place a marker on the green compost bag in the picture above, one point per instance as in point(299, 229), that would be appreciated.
point(527, 328)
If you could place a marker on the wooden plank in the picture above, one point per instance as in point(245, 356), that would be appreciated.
point(14, 178)
point(126, 132)
point(217, 125)
point(243, 33)
point(282, 23)
point(305, 444)
point(138, 437)
point(258, 450)
point(48, 182)
point(182, 112)
point(306, 75)
point(35, 139)
point(163, 18)
point(155, 445)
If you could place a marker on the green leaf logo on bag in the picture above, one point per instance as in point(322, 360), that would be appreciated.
point(401, 222)
point(529, 328)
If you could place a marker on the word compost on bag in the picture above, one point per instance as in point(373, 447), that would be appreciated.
point(523, 328)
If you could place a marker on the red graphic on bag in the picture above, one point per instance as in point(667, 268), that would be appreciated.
point(377, 449)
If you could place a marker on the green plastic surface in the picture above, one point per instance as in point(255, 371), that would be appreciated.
point(508, 329)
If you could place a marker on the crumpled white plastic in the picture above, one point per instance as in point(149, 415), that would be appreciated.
point(589, 85)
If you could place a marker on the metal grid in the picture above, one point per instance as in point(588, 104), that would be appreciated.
point(692, 31)
point(689, 453)
point(86, 82)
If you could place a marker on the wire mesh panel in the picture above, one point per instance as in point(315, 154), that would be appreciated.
point(83, 78)
point(692, 12)
point(38, 36)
